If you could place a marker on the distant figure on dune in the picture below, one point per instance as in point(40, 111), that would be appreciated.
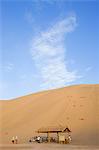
point(13, 139)
point(16, 139)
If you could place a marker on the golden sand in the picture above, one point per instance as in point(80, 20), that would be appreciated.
point(75, 106)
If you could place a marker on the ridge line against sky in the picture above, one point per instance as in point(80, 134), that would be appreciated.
point(47, 44)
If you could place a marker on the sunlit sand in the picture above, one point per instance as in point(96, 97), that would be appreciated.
point(47, 147)
point(74, 106)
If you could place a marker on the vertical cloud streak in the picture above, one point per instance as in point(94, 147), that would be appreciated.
point(49, 54)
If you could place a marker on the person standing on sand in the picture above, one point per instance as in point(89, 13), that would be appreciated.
point(16, 140)
point(69, 139)
point(13, 139)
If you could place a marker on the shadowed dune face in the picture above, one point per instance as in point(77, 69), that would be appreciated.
point(74, 106)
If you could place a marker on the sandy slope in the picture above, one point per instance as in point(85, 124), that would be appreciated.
point(75, 106)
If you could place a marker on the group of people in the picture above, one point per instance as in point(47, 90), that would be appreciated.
point(15, 140)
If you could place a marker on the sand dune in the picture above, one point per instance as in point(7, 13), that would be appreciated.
point(75, 106)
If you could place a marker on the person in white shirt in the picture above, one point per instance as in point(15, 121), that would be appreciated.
point(16, 140)
point(69, 138)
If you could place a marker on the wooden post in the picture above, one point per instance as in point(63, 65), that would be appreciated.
point(48, 137)
point(58, 137)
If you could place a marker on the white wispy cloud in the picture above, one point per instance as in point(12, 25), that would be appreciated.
point(49, 54)
point(23, 77)
point(7, 67)
point(29, 17)
point(88, 69)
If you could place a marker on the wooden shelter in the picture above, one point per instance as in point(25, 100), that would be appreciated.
point(53, 129)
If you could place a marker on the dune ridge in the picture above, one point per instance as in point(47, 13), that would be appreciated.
point(74, 106)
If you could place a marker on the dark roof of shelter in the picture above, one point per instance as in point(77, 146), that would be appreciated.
point(53, 129)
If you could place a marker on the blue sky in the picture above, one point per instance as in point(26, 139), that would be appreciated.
point(47, 44)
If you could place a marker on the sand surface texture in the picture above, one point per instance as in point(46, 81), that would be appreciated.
point(74, 106)
point(47, 147)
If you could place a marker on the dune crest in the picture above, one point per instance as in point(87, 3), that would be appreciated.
point(74, 106)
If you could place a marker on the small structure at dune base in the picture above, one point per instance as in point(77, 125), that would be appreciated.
point(63, 133)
